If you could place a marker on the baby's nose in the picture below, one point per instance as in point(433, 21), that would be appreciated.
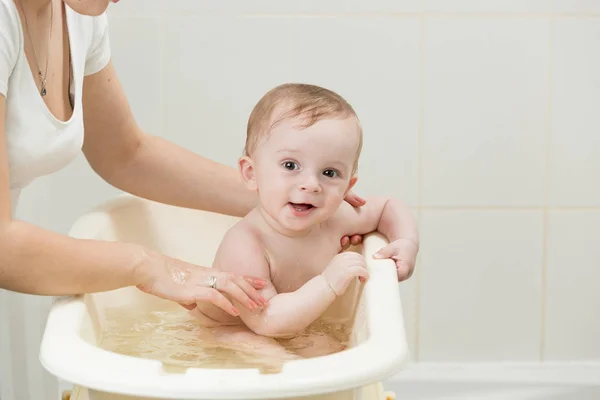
point(310, 185)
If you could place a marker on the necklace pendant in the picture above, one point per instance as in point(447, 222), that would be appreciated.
point(43, 92)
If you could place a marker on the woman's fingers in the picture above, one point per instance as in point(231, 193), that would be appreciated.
point(189, 307)
point(356, 240)
point(345, 243)
point(256, 283)
point(215, 297)
point(239, 288)
point(354, 199)
point(250, 291)
point(227, 285)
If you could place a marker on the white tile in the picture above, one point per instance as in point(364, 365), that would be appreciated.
point(573, 6)
point(574, 142)
point(486, 101)
point(193, 7)
point(512, 6)
point(573, 298)
point(216, 70)
point(135, 51)
point(480, 296)
point(374, 63)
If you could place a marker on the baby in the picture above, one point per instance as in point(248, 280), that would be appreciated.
point(302, 149)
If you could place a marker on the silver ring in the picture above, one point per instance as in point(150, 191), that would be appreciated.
point(212, 282)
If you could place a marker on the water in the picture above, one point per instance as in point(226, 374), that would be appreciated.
point(173, 337)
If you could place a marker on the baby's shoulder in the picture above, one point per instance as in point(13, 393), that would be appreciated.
point(242, 252)
point(340, 220)
point(240, 242)
point(242, 234)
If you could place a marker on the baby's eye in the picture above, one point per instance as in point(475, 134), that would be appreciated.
point(290, 165)
point(330, 173)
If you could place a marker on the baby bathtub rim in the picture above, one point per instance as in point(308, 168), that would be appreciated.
point(63, 349)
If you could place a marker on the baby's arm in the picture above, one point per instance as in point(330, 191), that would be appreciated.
point(285, 314)
point(390, 217)
point(387, 215)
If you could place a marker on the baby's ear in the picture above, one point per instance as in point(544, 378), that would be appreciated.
point(246, 166)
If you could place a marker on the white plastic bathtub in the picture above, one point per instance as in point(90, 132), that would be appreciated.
point(70, 350)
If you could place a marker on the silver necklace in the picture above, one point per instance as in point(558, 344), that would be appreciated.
point(43, 76)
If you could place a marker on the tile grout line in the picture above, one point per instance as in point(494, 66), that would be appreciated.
point(508, 208)
point(544, 285)
point(417, 309)
point(545, 221)
point(500, 14)
point(378, 14)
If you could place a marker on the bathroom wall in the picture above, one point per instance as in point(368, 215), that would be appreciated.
point(480, 115)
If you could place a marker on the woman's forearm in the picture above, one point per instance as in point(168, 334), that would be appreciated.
point(37, 261)
point(164, 172)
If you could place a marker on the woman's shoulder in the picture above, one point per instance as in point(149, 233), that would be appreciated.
point(89, 26)
point(92, 38)
point(10, 41)
point(9, 20)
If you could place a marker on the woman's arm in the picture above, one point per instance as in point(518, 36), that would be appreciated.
point(33, 260)
point(149, 166)
point(154, 168)
point(37, 261)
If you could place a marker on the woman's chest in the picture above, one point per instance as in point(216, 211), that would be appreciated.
point(38, 143)
point(45, 133)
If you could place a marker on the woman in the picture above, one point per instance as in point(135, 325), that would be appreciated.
point(55, 78)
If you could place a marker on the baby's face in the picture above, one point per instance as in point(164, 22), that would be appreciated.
point(303, 175)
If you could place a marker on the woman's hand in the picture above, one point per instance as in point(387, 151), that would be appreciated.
point(188, 284)
point(354, 199)
point(354, 240)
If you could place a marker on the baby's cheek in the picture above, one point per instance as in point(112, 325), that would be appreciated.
point(341, 192)
point(333, 203)
point(272, 196)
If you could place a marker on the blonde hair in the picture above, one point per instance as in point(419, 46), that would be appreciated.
point(310, 102)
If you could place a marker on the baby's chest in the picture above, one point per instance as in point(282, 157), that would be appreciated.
point(293, 266)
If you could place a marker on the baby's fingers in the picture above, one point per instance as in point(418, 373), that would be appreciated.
point(385, 252)
point(360, 272)
point(404, 270)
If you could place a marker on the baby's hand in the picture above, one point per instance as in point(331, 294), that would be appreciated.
point(343, 268)
point(404, 253)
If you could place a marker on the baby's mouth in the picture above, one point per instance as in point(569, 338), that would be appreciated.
point(301, 206)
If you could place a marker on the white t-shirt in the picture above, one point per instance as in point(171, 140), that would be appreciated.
point(38, 143)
